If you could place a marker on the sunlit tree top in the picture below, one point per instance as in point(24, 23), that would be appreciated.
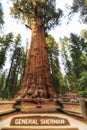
point(38, 10)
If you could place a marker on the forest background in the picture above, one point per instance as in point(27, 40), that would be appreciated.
point(67, 52)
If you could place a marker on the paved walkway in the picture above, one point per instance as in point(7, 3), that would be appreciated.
point(82, 125)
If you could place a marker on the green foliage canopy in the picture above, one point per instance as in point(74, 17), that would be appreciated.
point(53, 53)
point(5, 42)
point(76, 77)
point(80, 6)
point(16, 68)
point(38, 10)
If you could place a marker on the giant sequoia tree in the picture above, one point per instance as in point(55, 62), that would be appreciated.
point(40, 16)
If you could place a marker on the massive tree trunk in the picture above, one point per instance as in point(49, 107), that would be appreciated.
point(37, 81)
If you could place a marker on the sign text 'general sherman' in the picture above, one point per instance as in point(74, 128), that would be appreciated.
point(38, 120)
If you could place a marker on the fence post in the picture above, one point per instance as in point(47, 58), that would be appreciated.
point(83, 104)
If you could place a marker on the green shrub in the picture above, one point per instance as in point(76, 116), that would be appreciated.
point(83, 94)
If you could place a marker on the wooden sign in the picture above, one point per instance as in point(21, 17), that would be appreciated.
point(38, 120)
point(39, 123)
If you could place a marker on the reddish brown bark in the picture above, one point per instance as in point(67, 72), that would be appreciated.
point(37, 81)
